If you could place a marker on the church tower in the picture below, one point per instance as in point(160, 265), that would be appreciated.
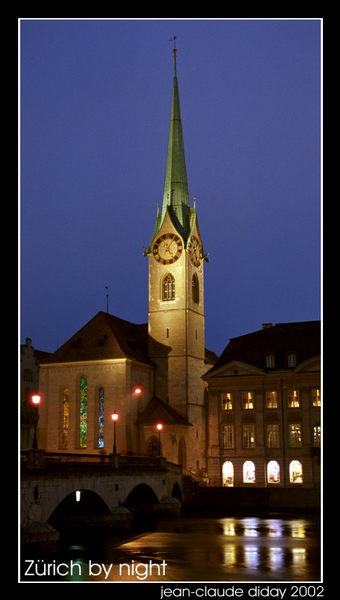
point(176, 294)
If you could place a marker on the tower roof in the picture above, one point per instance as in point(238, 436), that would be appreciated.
point(176, 193)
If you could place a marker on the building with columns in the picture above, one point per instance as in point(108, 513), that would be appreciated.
point(264, 409)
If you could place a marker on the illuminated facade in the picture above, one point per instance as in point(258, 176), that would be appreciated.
point(250, 418)
point(101, 367)
point(264, 415)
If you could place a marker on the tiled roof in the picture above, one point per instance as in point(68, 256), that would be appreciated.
point(157, 410)
point(301, 338)
point(104, 337)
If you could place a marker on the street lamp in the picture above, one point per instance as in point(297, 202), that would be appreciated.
point(159, 427)
point(115, 417)
point(137, 391)
point(35, 401)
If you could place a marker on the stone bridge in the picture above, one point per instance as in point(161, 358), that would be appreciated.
point(53, 484)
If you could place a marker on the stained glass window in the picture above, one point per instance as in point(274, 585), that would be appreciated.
point(101, 418)
point(66, 418)
point(83, 412)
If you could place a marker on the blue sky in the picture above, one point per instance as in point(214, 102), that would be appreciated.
point(94, 117)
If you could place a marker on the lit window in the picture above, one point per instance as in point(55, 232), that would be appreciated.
point(295, 435)
point(293, 399)
point(273, 472)
point(101, 418)
point(195, 289)
point(270, 361)
point(228, 436)
point(316, 436)
point(83, 412)
point(249, 472)
point(228, 474)
point(271, 399)
point(295, 472)
point(168, 287)
point(227, 401)
point(248, 435)
point(248, 400)
point(291, 360)
point(316, 397)
point(66, 418)
point(273, 435)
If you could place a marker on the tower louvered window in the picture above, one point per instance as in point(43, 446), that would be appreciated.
point(168, 287)
point(195, 289)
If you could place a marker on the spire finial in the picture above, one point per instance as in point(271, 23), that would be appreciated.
point(174, 50)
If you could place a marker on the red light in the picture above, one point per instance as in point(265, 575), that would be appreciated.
point(159, 427)
point(137, 390)
point(115, 416)
point(36, 399)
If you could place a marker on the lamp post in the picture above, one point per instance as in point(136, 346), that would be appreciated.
point(159, 427)
point(115, 417)
point(35, 401)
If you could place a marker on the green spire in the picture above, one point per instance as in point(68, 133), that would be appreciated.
point(176, 194)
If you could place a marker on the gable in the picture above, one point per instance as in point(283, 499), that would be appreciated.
point(231, 369)
point(309, 366)
point(104, 337)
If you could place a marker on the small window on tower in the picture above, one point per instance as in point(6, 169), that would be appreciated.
point(195, 289)
point(168, 287)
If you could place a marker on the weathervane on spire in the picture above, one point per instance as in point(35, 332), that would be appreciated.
point(173, 39)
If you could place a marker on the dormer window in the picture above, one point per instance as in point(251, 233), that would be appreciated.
point(291, 360)
point(270, 361)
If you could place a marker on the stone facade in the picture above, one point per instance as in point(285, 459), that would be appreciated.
point(269, 418)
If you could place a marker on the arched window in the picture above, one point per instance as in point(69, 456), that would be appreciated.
point(101, 418)
point(168, 287)
point(195, 289)
point(83, 412)
point(152, 446)
point(295, 472)
point(228, 474)
point(248, 472)
point(273, 472)
point(65, 418)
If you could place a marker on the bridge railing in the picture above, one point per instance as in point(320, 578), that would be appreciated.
point(74, 459)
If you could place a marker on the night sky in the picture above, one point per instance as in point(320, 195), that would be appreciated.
point(94, 118)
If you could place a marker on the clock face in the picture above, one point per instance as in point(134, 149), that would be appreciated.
point(195, 251)
point(167, 248)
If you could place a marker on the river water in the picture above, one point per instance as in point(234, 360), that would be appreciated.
point(186, 549)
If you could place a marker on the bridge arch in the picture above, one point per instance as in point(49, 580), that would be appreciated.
point(77, 505)
point(141, 498)
point(176, 491)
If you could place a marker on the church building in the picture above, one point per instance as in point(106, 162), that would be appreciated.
point(149, 375)
point(250, 418)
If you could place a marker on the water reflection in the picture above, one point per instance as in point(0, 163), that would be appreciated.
point(208, 549)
